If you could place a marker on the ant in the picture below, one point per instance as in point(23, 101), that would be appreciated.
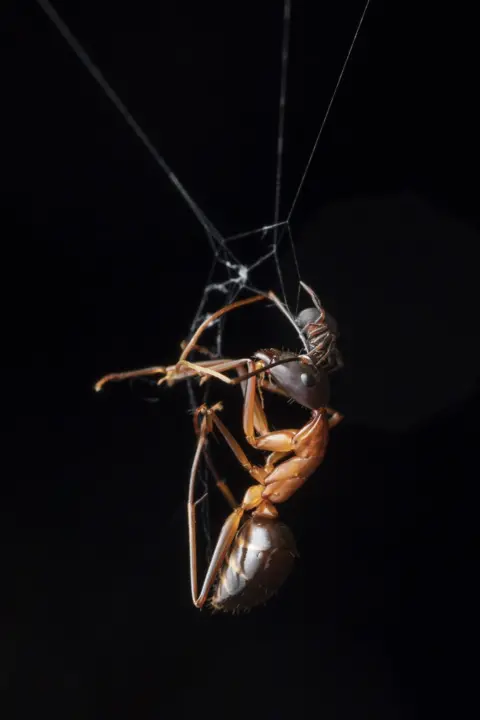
point(254, 556)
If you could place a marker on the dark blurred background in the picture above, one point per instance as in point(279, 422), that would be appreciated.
point(103, 268)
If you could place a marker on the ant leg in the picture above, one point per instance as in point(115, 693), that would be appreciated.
point(335, 418)
point(221, 484)
point(269, 387)
point(280, 441)
point(274, 458)
point(257, 472)
point(171, 373)
point(225, 539)
point(157, 370)
point(212, 371)
point(208, 321)
point(199, 348)
point(259, 417)
point(277, 441)
point(230, 527)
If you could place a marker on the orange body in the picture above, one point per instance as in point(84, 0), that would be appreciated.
point(309, 445)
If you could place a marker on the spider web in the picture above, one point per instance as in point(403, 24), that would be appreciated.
point(229, 275)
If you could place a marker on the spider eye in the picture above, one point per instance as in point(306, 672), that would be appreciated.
point(308, 379)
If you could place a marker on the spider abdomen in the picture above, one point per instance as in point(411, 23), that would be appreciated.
point(260, 560)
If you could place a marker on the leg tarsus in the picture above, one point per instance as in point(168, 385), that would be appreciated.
point(114, 377)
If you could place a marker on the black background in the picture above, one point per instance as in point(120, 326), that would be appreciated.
point(103, 268)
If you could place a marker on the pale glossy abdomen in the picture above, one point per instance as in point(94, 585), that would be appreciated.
point(259, 562)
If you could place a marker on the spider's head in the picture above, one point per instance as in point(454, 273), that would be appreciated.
point(301, 381)
point(313, 316)
point(320, 331)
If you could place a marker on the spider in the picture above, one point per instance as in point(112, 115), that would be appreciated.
point(254, 554)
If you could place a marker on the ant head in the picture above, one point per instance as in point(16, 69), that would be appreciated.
point(302, 382)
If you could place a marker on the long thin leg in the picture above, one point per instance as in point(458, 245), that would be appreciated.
point(189, 346)
point(209, 320)
point(259, 417)
point(260, 423)
point(260, 420)
point(209, 371)
point(171, 373)
point(225, 539)
point(157, 370)
point(286, 312)
point(182, 369)
point(277, 441)
point(199, 348)
point(252, 499)
point(257, 472)
point(221, 484)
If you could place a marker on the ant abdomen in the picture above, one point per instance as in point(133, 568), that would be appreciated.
point(260, 560)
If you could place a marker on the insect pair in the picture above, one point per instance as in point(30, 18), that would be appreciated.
point(254, 552)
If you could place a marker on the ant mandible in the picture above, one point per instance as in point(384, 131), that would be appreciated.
point(252, 559)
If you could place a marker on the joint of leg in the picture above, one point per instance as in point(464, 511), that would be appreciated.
point(253, 497)
point(266, 509)
point(168, 377)
point(200, 499)
point(259, 474)
point(205, 410)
